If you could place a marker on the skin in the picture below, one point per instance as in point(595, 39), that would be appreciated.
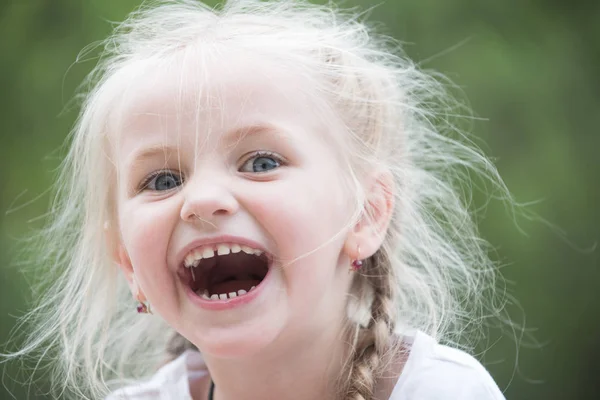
point(291, 335)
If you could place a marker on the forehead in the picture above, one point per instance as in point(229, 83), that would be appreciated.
point(194, 97)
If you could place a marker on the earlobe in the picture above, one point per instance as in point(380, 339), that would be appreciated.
point(124, 263)
point(121, 259)
point(381, 203)
point(369, 232)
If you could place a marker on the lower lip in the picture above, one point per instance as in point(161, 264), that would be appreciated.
point(219, 305)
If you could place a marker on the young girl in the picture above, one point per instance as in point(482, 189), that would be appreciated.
point(273, 186)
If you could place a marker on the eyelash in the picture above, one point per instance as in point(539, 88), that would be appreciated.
point(144, 184)
point(257, 154)
point(263, 153)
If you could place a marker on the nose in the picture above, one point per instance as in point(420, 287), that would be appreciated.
point(206, 200)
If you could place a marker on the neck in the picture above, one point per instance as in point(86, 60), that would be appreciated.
point(291, 368)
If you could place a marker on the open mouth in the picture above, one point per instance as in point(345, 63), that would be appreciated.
point(224, 271)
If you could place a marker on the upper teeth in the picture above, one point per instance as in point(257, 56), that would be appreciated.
point(208, 251)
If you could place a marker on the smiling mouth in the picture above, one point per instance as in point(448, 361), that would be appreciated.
point(224, 271)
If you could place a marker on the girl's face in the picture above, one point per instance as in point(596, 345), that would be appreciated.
point(206, 178)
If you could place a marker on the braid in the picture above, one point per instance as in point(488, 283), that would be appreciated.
point(372, 350)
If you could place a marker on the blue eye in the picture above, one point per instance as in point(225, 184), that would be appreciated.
point(161, 181)
point(261, 162)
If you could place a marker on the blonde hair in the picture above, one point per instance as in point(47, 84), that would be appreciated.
point(432, 272)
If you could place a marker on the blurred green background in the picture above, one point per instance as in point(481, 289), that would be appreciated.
point(530, 70)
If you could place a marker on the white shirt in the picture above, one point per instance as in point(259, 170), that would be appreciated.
point(431, 372)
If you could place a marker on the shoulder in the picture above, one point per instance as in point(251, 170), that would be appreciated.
point(169, 382)
point(433, 371)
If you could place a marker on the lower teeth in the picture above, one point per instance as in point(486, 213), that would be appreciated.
point(224, 296)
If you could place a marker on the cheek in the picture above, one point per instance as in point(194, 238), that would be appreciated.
point(299, 215)
point(146, 229)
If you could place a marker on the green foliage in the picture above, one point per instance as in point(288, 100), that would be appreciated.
point(529, 70)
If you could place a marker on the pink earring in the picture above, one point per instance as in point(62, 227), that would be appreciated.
point(143, 308)
point(356, 264)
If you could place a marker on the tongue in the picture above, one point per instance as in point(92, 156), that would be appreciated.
point(233, 286)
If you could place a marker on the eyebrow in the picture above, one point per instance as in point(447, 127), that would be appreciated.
point(230, 139)
point(151, 152)
point(239, 134)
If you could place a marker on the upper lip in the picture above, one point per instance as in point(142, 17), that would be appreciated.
point(216, 240)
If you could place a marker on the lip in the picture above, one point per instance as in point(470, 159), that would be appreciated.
point(220, 305)
point(216, 240)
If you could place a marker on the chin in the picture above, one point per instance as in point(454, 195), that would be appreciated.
point(238, 341)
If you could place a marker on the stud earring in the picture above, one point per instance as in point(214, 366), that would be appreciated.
point(357, 263)
point(143, 308)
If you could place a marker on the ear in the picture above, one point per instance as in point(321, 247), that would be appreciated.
point(369, 232)
point(120, 257)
